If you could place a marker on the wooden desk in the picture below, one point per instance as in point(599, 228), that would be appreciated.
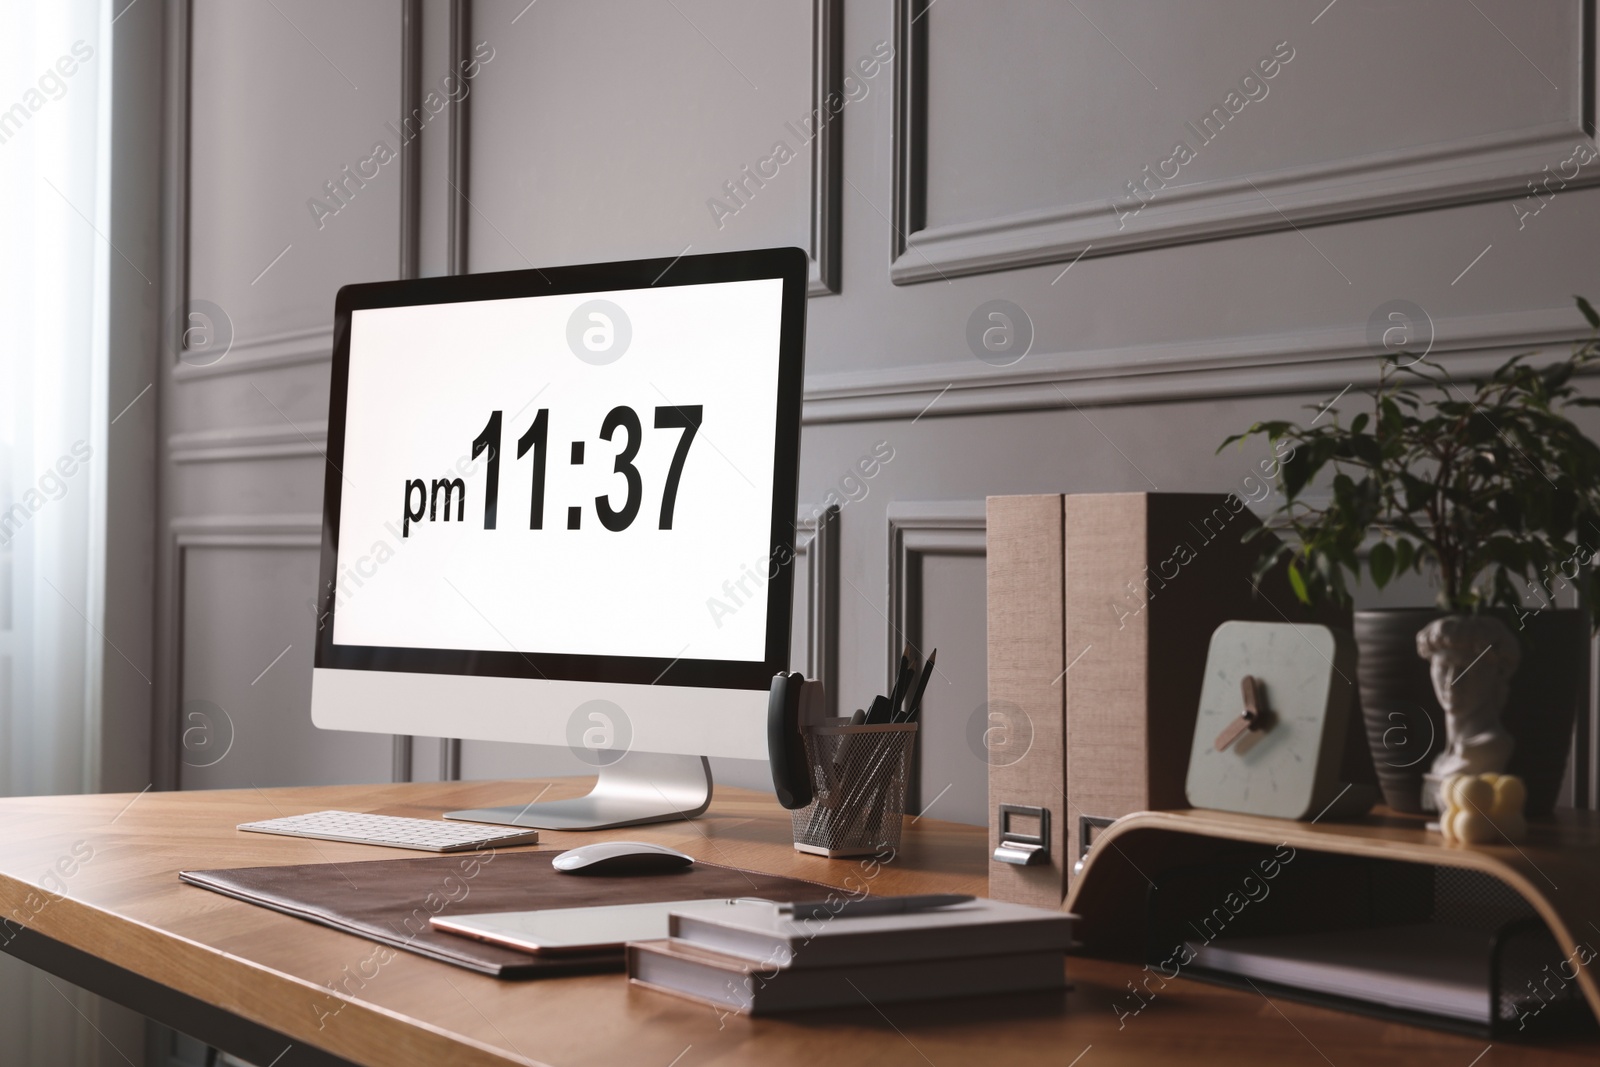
point(256, 982)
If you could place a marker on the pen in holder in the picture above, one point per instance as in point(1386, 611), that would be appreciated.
point(859, 775)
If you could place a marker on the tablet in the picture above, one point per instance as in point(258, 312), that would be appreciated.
point(553, 931)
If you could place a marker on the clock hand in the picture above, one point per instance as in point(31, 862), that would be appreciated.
point(1253, 717)
point(1231, 732)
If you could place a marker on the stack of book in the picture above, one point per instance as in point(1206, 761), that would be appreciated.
point(756, 959)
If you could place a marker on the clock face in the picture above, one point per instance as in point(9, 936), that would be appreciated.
point(1301, 675)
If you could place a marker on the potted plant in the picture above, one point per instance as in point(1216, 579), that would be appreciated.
point(1493, 493)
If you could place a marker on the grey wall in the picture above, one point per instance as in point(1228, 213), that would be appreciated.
point(279, 99)
point(1389, 158)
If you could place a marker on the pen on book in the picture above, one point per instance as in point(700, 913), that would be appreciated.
point(849, 909)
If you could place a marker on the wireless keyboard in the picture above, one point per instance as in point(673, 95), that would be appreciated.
point(427, 835)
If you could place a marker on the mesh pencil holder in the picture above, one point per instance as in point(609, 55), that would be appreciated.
point(860, 775)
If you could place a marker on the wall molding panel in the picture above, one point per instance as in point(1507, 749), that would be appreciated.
point(827, 153)
point(290, 348)
point(281, 349)
point(917, 529)
point(411, 29)
point(817, 560)
point(1266, 364)
point(458, 205)
point(1289, 362)
point(165, 712)
point(1469, 169)
point(285, 531)
point(175, 176)
point(236, 443)
point(248, 531)
point(410, 154)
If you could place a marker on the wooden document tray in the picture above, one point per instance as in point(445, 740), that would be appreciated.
point(1247, 901)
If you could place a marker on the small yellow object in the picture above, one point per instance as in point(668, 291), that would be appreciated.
point(1510, 794)
point(1483, 809)
point(1473, 794)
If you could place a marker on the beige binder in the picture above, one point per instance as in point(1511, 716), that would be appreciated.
point(1025, 561)
point(1101, 608)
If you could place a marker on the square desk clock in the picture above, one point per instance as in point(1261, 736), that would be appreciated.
point(1270, 733)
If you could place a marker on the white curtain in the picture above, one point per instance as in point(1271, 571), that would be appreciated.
point(54, 260)
point(53, 271)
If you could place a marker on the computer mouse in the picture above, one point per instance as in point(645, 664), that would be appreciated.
point(620, 857)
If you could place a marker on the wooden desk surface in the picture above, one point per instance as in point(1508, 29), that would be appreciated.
point(124, 904)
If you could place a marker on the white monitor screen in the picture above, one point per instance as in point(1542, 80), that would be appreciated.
point(580, 474)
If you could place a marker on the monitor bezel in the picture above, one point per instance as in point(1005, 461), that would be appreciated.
point(791, 265)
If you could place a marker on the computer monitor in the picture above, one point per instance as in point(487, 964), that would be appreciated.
point(560, 509)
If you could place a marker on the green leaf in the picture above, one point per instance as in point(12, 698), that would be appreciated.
point(1298, 471)
point(1589, 313)
point(1265, 565)
point(1298, 584)
point(1366, 449)
point(1403, 557)
point(1417, 491)
point(1390, 418)
point(1556, 375)
point(1231, 439)
point(1381, 563)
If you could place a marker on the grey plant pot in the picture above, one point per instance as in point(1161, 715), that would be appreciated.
point(1405, 724)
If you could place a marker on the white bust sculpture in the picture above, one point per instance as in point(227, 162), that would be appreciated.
point(1471, 659)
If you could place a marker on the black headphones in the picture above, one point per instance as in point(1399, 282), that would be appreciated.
point(786, 749)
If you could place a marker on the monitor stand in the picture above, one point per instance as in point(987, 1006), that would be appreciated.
point(641, 787)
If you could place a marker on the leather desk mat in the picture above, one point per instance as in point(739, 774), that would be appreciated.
point(390, 901)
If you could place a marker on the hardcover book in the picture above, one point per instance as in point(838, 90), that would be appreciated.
point(761, 934)
point(751, 988)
